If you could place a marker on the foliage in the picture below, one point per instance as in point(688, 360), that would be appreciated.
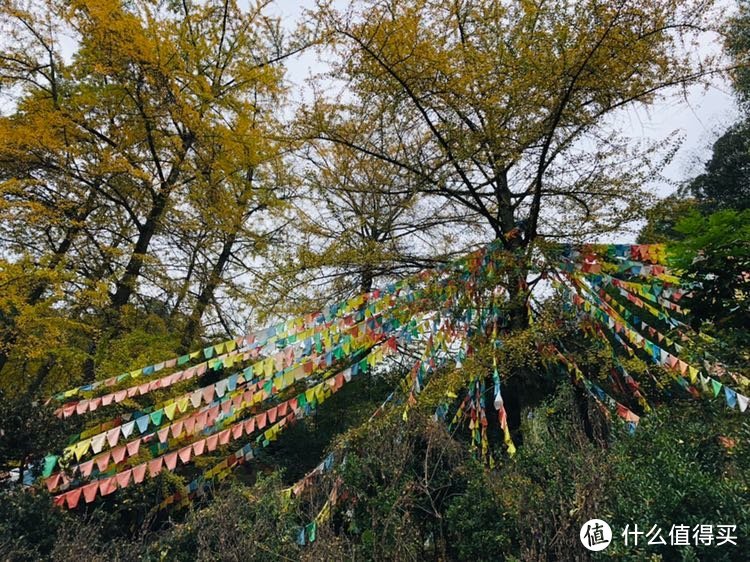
point(28, 525)
point(686, 465)
point(501, 106)
point(150, 193)
point(737, 44)
point(240, 524)
point(662, 218)
point(715, 253)
point(137, 170)
point(724, 184)
point(28, 430)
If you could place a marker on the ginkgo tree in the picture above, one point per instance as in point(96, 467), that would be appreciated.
point(505, 107)
point(360, 222)
point(124, 118)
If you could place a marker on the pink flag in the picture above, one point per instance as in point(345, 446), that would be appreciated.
point(94, 404)
point(189, 425)
point(102, 461)
point(226, 406)
point(199, 447)
point(224, 437)
point(155, 466)
point(163, 434)
point(72, 498)
point(237, 431)
point(283, 407)
point(133, 447)
point(90, 491)
point(139, 473)
point(170, 460)
point(118, 454)
point(213, 414)
point(200, 421)
point(177, 429)
point(250, 426)
point(123, 478)
point(107, 486)
point(211, 442)
point(272, 414)
point(52, 482)
point(208, 394)
point(185, 454)
point(86, 468)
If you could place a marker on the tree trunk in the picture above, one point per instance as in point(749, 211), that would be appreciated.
point(126, 285)
point(207, 293)
point(185, 286)
point(366, 279)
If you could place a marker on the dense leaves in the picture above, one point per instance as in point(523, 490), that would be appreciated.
point(157, 189)
point(715, 253)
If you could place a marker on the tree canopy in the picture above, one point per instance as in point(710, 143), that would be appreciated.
point(401, 318)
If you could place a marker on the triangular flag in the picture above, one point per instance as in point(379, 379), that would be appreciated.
point(177, 428)
point(127, 429)
point(102, 461)
point(224, 437)
point(142, 423)
point(716, 385)
point(107, 486)
point(81, 448)
point(118, 454)
point(199, 447)
point(113, 436)
point(155, 466)
point(170, 410)
point(97, 443)
point(742, 402)
point(53, 482)
point(139, 473)
point(133, 447)
point(163, 434)
point(85, 468)
point(156, 416)
point(72, 498)
point(185, 453)
point(90, 491)
point(182, 404)
point(123, 478)
point(170, 460)
point(731, 397)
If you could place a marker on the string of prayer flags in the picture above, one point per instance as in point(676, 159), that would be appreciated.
point(626, 296)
